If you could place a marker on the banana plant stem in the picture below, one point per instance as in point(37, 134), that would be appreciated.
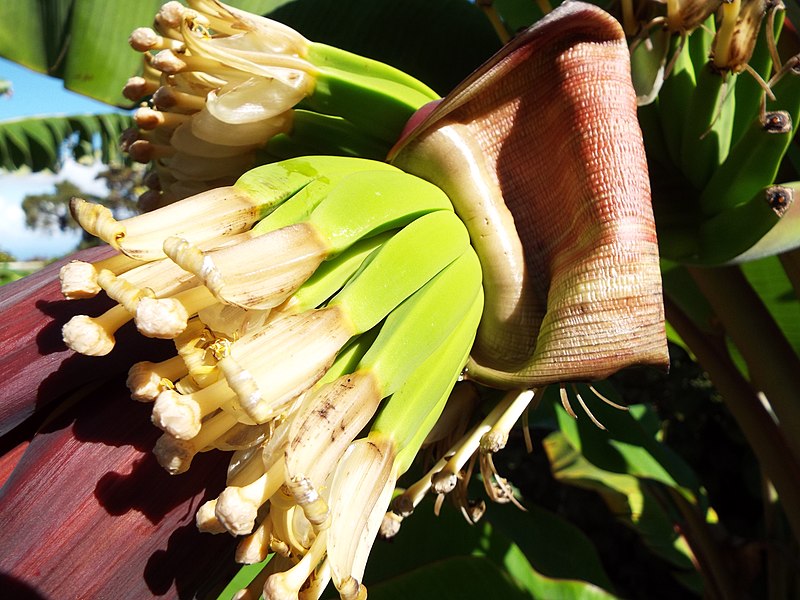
point(766, 438)
point(706, 548)
point(773, 365)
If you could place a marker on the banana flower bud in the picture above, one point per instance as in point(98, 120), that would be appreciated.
point(541, 153)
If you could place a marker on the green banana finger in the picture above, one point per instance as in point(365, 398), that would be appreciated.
point(410, 413)
point(302, 204)
point(706, 136)
point(314, 133)
point(751, 164)
point(333, 274)
point(379, 106)
point(414, 330)
point(674, 99)
point(700, 42)
point(406, 262)
point(328, 57)
point(359, 206)
point(368, 203)
point(730, 233)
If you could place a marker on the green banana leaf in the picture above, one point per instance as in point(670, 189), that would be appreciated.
point(84, 42)
point(629, 467)
point(38, 142)
point(632, 500)
point(769, 279)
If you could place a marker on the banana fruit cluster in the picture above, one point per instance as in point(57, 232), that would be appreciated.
point(718, 132)
point(228, 90)
point(321, 297)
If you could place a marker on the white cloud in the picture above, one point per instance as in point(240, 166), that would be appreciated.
point(25, 243)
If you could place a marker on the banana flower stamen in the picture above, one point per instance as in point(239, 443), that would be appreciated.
point(237, 507)
point(181, 415)
point(148, 119)
point(146, 380)
point(286, 585)
point(167, 318)
point(254, 548)
point(144, 39)
point(165, 98)
point(94, 336)
point(79, 279)
point(138, 87)
point(176, 455)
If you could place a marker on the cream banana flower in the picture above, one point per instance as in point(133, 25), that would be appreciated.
point(225, 82)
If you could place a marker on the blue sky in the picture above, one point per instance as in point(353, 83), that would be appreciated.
point(35, 94)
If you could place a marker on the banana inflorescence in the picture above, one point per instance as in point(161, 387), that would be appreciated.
point(323, 308)
point(294, 317)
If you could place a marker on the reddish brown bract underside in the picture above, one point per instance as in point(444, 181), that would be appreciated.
point(541, 153)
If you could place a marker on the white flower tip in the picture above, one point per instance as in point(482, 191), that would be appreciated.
point(444, 482)
point(178, 415)
point(143, 39)
point(173, 454)
point(390, 525)
point(163, 318)
point(236, 512)
point(86, 336)
point(351, 589)
point(143, 382)
point(279, 587)
point(250, 551)
point(78, 280)
point(206, 519)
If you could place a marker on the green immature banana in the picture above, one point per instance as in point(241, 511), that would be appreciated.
point(315, 133)
point(411, 412)
point(372, 465)
point(419, 325)
point(357, 207)
point(700, 42)
point(749, 90)
point(411, 334)
point(728, 234)
point(379, 106)
point(220, 212)
point(708, 125)
point(674, 99)
point(268, 368)
point(751, 164)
